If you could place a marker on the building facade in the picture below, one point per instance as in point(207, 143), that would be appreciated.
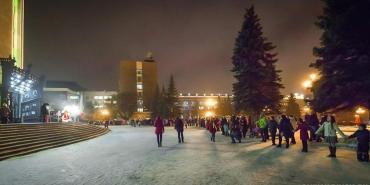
point(100, 99)
point(139, 78)
point(63, 96)
point(11, 30)
point(204, 105)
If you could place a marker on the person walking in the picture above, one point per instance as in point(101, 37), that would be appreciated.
point(106, 123)
point(5, 113)
point(235, 130)
point(225, 126)
point(273, 126)
point(45, 112)
point(303, 129)
point(286, 130)
point(159, 130)
point(330, 129)
point(262, 125)
point(244, 125)
point(212, 130)
point(314, 123)
point(363, 139)
point(179, 126)
point(293, 122)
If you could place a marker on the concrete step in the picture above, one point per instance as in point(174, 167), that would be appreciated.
point(25, 152)
point(38, 128)
point(16, 133)
point(18, 139)
point(27, 145)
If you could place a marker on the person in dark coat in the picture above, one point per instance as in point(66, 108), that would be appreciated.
point(314, 124)
point(235, 130)
point(286, 130)
point(225, 126)
point(363, 139)
point(179, 126)
point(45, 112)
point(244, 125)
point(212, 128)
point(303, 128)
point(5, 113)
point(159, 130)
point(273, 126)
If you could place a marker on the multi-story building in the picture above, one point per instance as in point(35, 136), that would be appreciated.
point(139, 77)
point(11, 30)
point(202, 105)
point(100, 99)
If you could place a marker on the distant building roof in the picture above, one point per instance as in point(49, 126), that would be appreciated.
point(64, 84)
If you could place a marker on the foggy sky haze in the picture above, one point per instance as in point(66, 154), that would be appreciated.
point(84, 40)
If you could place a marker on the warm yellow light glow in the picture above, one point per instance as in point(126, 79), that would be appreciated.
point(306, 109)
point(360, 110)
point(211, 102)
point(307, 84)
point(105, 112)
point(313, 76)
point(209, 114)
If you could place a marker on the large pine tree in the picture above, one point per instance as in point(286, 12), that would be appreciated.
point(343, 56)
point(292, 107)
point(173, 99)
point(258, 82)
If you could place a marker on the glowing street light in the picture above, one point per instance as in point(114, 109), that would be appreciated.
point(209, 114)
point(307, 84)
point(306, 109)
point(360, 110)
point(211, 102)
point(105, 112)
point(313, 76)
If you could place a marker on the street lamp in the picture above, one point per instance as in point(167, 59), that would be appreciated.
point(209, 114)
point(307, 84)
point(105, 112)
point(313, 76)
point(211, 102)
point(360, 110)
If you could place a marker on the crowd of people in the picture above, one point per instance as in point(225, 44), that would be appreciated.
point(282, 127)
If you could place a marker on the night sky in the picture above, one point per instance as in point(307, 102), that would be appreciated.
point(84, 40)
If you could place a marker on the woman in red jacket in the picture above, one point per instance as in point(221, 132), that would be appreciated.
point(159, 130)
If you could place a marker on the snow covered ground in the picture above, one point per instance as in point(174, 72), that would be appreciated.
point(130, 156)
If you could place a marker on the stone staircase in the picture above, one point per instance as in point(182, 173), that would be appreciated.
point(22, 139)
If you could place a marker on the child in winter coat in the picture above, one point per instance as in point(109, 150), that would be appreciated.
point(303, 127)
point(363, 139)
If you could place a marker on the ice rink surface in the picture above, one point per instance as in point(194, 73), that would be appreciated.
point(130, 155)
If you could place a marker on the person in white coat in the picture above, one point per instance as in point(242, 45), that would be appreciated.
point(330, 129)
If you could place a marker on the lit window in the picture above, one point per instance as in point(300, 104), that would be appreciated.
point(98, 97)
point(139, 79)
point(139, 65)
point(107, 97)
point(73, 97)
point(139, 86)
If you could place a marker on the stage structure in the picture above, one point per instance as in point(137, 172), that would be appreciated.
point(21, 91)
